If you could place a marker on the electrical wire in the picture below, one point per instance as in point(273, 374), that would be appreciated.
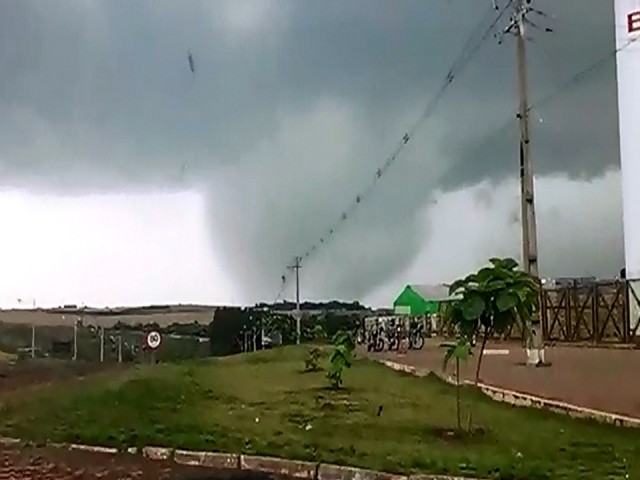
point(466, 55)
point(584, 73)
point(549, 97)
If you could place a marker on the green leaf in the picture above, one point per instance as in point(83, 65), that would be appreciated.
point(495, 285)
point(473, 307)
point(504, 263)
point(455, 286)
point(460, 350)
point(506, 301)
point(484, 275)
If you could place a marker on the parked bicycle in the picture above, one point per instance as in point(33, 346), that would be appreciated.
point(394, 335)
point(375, 338)
point(416, 335)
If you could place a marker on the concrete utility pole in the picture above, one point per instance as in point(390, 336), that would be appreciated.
point(518, 25)
point(75, 338)
point(101, 344)
point(297, 266)
point(33, 341)
point(529, 231)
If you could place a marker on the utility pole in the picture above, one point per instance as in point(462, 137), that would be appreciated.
point(101, 343)
point(33, 340)
point(518, 26)
point(529, 231)
point(297, 266)
point(75, 338)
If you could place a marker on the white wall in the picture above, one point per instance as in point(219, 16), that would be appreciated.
point(628, 69)
point(628, 65)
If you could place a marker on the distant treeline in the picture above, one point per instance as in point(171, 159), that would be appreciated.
point(159, 309)
point(193, 329)
point(146, 310)
point(331, 305)
point(233, 326)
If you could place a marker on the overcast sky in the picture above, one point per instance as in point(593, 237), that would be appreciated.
point(128, 179)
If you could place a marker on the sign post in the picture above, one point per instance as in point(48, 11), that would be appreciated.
point(153, 340)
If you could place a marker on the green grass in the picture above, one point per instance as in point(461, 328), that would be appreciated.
point(263, 404)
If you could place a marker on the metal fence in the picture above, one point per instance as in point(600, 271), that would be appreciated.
point(90, 343)
point(597, 313)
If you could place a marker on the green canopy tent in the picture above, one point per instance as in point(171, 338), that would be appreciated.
point(418, 300)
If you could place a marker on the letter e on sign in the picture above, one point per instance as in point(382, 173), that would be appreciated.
point(633, 22)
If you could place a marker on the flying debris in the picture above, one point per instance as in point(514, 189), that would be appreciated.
point(192, 65)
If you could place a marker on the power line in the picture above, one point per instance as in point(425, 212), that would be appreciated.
point(468, 52)
point(542, 101)
point(551, 96)
point(582, 74)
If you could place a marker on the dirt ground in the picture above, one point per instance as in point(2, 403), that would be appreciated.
point(61, 464)
point(601, 378)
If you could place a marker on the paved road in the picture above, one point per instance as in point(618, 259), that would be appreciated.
point(603, 379)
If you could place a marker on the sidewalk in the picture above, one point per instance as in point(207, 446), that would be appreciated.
point(602, 379)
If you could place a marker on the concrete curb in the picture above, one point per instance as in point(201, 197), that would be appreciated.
point(520, 399)
point(277, 466)
point(271, 465)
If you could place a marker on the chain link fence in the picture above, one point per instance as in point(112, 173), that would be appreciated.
point(91, 343)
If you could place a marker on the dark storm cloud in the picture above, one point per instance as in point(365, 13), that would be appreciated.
point(288, 115)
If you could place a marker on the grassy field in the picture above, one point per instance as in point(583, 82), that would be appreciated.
point(262, 403)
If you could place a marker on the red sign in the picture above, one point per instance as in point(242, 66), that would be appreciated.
point(633, 22)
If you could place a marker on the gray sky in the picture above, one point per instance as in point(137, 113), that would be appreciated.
point(292, 108)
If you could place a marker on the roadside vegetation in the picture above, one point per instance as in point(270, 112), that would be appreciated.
point(282, 403)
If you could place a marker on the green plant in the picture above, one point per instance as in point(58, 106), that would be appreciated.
point(460, 351)
point(283, 324)
point(341, 357)
point(319, 335)
point(312, 362)
point(491, 300)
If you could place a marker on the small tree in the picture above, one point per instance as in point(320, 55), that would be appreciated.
point(491, 300)
point(460, 351)
point(341, 358)
point(283, 324)
point(312, 362)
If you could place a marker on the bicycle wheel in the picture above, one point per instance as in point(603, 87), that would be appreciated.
point(417, 342)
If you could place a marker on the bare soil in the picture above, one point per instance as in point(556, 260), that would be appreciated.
point(600, 378)
point(61, 464)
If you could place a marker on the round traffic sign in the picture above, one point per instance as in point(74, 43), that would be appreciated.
point(153, 340)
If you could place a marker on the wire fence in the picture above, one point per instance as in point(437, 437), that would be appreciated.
point(90, 343)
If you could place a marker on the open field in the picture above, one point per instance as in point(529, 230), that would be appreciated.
point(163, 316)
point(261, 403)
point(600, 378)
point(36, 372)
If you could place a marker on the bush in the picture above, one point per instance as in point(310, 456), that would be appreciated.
point(312, 362)
point(341, 358)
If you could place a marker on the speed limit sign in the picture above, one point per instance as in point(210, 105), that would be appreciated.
point(153, 340)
